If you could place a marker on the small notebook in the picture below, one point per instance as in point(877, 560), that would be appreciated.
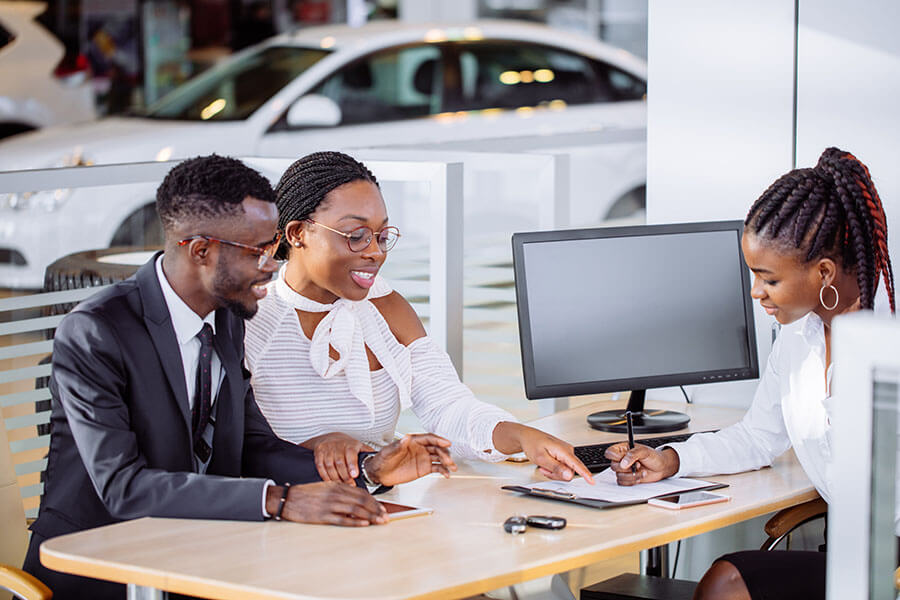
point(606, 493)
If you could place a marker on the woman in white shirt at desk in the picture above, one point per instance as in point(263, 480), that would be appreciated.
point(816, 241)
point(336, 354)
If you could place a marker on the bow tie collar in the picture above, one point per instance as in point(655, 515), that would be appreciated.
point(349, 327)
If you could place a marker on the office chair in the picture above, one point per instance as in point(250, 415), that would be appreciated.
point(14, 540)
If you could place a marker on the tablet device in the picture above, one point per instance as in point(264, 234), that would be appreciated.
point(688, 499)
point(401, 511)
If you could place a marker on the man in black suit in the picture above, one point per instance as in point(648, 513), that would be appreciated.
point(152, 411)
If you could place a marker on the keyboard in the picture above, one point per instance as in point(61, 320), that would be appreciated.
point(593, 458)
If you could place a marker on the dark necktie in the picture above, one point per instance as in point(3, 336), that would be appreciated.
point(203, 389)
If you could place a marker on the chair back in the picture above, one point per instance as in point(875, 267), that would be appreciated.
point(27, 324)
point(12, 516)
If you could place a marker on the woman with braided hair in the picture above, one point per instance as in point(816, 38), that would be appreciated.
point(816, 242)
point(336, 354)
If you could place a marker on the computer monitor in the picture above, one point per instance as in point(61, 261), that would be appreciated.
point(633, 308)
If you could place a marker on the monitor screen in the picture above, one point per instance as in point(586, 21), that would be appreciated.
point(614, 309)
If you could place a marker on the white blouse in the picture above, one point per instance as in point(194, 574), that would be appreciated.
point(792, 407)
point(304, 393)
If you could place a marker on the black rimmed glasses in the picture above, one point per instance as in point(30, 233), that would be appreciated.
point(360, 238)
point(266, 252)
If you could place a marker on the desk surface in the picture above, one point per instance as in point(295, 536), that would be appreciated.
point(458, 551)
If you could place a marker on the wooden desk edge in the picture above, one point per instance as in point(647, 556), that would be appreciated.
point(184, 584)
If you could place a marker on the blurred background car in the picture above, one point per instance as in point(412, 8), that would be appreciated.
point(35, 91)
point(383, 85)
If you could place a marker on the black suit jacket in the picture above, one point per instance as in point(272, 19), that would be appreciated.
point(120, 445)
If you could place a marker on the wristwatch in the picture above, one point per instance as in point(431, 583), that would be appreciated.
point(365, 474)
point(374, 488)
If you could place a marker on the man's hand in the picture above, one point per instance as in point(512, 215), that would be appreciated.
point(553, 457)
point(327, 502)
point(650, 464)
point(337, 456)
point(409, 458)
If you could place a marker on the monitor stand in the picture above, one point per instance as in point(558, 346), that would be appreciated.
point(654, 421)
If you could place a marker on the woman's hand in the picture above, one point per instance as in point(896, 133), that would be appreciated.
point(337, 456)
point(650, 464)
point(554, 458)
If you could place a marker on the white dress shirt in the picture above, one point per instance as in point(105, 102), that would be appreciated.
point(792, 407)
point(304, 393)
point(187, 324)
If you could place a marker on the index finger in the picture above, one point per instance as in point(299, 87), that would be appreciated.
point(616, 451)
point(430, 439)
point(567, 457)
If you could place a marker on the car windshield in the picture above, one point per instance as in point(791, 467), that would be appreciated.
point(235, 89)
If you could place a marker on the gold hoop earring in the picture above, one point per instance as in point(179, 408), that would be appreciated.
point(822, 300)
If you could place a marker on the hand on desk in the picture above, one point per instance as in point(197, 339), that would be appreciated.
point(554, 458)
point(327, 502)
point(337, 456)
point(409, 458)
point(652, 464)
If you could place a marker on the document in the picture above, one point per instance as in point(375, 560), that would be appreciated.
point(607, 490)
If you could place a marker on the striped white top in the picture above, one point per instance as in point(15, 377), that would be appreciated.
point(304, 393)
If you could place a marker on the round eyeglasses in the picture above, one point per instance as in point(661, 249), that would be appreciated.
point(360, 238)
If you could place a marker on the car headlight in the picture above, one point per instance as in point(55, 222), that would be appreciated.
point(46, 201)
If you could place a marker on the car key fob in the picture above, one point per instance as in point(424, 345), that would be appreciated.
point(515, 525)
point(543, 522)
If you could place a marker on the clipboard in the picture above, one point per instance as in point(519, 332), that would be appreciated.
point(597, 502)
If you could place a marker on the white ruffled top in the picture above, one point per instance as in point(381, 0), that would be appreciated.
point(303, 392)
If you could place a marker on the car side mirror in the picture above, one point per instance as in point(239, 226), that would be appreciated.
point(314, 110)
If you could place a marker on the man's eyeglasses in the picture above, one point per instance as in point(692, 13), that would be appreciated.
point(360, 238)
point(265, 252)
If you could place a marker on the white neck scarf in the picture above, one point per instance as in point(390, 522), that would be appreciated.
point(349, 327)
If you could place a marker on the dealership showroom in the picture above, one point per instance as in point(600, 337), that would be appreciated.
point(426, 299)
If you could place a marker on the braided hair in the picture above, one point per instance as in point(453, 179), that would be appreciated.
point(303, 187)
point(831, 210)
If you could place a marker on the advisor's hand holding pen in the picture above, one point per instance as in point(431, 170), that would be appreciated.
point(651, 464)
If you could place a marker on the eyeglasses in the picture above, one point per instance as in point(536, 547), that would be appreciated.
point(266, 252)
point(360, 238)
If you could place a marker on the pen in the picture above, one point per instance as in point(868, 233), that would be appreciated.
point(629, 427)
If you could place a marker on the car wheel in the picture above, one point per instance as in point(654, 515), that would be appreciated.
point(141, 228)
point(87, 269)
point(630, 204)
point(10, 129)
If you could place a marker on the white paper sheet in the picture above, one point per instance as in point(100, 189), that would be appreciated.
point(608, 490)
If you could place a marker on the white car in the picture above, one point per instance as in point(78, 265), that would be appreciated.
point(31, 96)
point(382, 85)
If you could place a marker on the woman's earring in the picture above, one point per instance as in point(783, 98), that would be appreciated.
point(296, 244)
point(822, 300)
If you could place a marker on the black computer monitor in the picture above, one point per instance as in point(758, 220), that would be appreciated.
point(632, 308)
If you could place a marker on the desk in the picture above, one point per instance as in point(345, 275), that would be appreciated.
point(458, 551)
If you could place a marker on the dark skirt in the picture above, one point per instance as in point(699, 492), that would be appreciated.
point(789, 574)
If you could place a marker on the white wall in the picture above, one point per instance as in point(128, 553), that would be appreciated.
point(721, 126)
point(848, 91)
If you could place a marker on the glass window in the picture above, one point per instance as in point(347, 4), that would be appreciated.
point(510, 75)
point(236, 89)
point(388, 86)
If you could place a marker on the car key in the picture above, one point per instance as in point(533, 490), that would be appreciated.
point(515, 525)
point(544, 522)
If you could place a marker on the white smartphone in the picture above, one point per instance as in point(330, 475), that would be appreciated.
point(688, 499)
point(401, 511)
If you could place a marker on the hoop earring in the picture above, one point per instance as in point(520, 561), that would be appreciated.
point(822, 300)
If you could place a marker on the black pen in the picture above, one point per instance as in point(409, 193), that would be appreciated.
point(629, 427)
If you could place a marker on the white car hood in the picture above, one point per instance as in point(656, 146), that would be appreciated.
point(122, 140)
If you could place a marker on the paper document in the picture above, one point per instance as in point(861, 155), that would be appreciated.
point(607, 490)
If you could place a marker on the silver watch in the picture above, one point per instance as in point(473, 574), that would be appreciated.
point(365, 474)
